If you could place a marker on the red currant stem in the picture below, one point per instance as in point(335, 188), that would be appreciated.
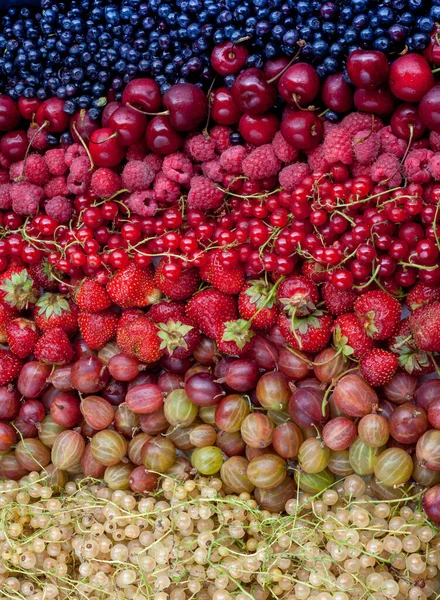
point(300, 44)
point(435, 70)
point(28, 149)
point(262, 196)
point(332, 386)
point(115, 195)
point(372, 278)
point(349, 219)
point(164, 112)
point(421, 267)
point(369, 198)
point(275, 232)
point(84, 145)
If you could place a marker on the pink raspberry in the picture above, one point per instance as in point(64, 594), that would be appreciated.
point(358, 170)
point(142, 203)
point(137, 175)
point(137, 151)
point(390, 143)
point(416, 166)
point(80, 176)
point(165, 191)
point(37, 139)
point(434, 166)
point(434, 141)
point(358, 121)
point(154, 161)
point(386, 170)
point(57, 186)
point(16, 170)
point(291, 176)
point(338, 147)
point(204, 195)
point(55, 161)
point(200, 148)
point(213, 170)
point(366, 146)
point(5, 196)
point(59, 208)
point(316, 159)
point(26, 198)
point(105, 182)
point(220, 134)
point(231, 160)
point(283, 150)
point(261, 163)
point(4, 176)
point(72, 152)
point(329, 126)
point(178, 168)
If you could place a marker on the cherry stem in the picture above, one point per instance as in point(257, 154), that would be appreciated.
point(110, 137)
point(164, 112)
point(301, 44)
point(84, 145)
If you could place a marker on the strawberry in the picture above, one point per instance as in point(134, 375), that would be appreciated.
point(298, 296)
point(411, 358)
point(234, 337)
point(425, 327)
point(22, 336)
point(164, 310)
point(6, 315)
point(56, 311)
point(133, 287)
point(350, 336)
point(379, 313)
point(210, 308)
point(227, 279)
point(92, 297)
point(97, 328)
point(314, 271)
point(310, 333)
point(256, 303)
point(17, 288)
point(138, 336)
point(179, 337)
point(54, 348)
point(337, 302)
point(45, 275)
point(182, 287)
point(10, 366)
point(421, 294)
point(378, 366)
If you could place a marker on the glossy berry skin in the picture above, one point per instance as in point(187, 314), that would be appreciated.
point(379, 101)
point(303, 129)
point(252, 93)
point(367, 69)
point(224, 111)
point(429, 109)
point(143, 94)
point(299, 84)
point(9, 113)
point(52, 112)
point(410, 77)
point(337, 94)
point(228, 58)
point(258, 129)
point(28, 107)
point(105, 148)
point(187, 106)
point(14, 144)
point(80, 124)
point(129, 124)
point(405, 121)
point(161, 137)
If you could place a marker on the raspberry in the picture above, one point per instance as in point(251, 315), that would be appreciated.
point(220, 134)
point(16, 170)
point(80, 176)
point(329, 126)
point(366, 146)
point(316, 159)
point(390, 143)
point(26, 198)
point(55, 161)
point(386, 169)
point(165, 191)
point(292, 175)
point(213, 170)
point(59, 208)
point(231, 159)
point(283, 150)
point(434, 141)
point(261, 163)
point(200, 148)
point(154, 161)
point(136, 151)
point(72, 152)
point(358, 170)
point(358, 121)
point(434, 166)
point(142, 203)
point(416, 166)
point(137, 175)
point(338, 147)
point(37, 139)
point(57, 186)
point(105, 182)
point(204, 194)
point(178, 168)
point(5, 196)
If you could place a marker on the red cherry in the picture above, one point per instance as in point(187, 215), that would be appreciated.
point(429, 109)
point(9, 113)
point(410, 77)
point(252, 93)
point(337, 94)
point(51, 111)
point(224, 111)
point(272, 68)
point(228, 58)
point(405, 120)
point(143, 94)
point(299, 84)
point(379, 101)
point(109, 109)
point(28, 107)
point(432, 52)
point(129, 124)
point(80, 124)
point(14, 145)
point(187, 105)
point(161, 137)
point(105, 149)
point(303, 129)
point(367, 69)
point(258, 129)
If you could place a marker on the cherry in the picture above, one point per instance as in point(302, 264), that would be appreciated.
point(9, 113)
point(228, 58)
point(302, 129)
point(14, 145)
point(28, 107)
point(143, 94)
point(273, 67)
point(337, 94)
point(429, 109)
point(258, 129)
point(105, 149)
point(187, 105)
point(432, 52)
point(410, 77)
point(109, 109)
point(81, 125)
point(367, 69)
point(299, 84)
point(224, 111)
point(161, 138)
point(51, 111)
point(379, 101)
point(129, 124)
point(405, 121)
point(252, 93)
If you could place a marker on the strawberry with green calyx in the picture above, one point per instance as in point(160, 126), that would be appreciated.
point(17, 288)
point(425, 327)
point(420, 294)
point(298, 296)
point(181, 288)
point(98, 328)
point(45, 275)
point(10, 366)
point(235, 337)
point(350, 337)
point(7, 314)
point(138, 336)
point(308, 334)
point(379, 314)
point(378, 366)
point(210, 309)
point(56, 311)
point(54, 348)
point(92, 297)
point(22, 335)
point(409, 356)
point(179, 337)
point(257, 302)
point(227, 279)
point(133, 287)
